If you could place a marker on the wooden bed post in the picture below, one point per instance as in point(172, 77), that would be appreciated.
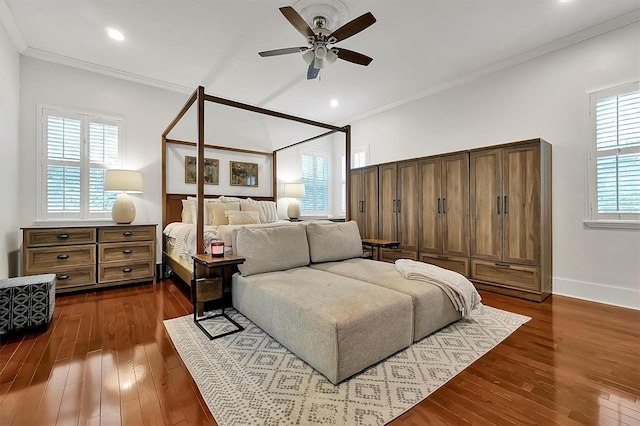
point(347, 166)
point(275, 175)
point(200, 175)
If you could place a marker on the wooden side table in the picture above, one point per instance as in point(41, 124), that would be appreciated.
point(374, 245)
point(211, 275)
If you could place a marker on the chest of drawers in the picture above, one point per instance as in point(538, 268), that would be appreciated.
point(89, 257)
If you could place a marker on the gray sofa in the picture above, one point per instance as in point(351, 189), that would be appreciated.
point(308, 288)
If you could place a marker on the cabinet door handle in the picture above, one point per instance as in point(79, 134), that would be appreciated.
point(62, 256)
point(398, 206)
point(127, 233)
point(127, 251)
point(505, 265)
point(444, 205)
point(438, 205)
point(63, 236)
point(506, 205)
point(62, 277)
point(127, 270)
point(498, 204)
point(394, 206)
point(363, 206)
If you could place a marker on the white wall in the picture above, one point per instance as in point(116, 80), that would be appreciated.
point(9, 143)
point(546, 97)
point(147, 111)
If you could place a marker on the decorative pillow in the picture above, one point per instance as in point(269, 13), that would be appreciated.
point(253, 208)
point(330, 242)
point(237, 217)
point(270, 211)
point(217, 212)
point(194, 209)
point(187, 216)
point(269, 249)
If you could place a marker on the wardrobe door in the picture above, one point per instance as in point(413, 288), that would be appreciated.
point(357, 197)
point(387, 202)
point(521, 204)
point(455, 204)
point(407, 206)
point(430, 206)
point(370, 202)
point(486, 204)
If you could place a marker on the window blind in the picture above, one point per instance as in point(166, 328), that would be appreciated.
point(617, 162)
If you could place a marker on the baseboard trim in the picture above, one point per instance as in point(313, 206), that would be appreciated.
point(609, 295)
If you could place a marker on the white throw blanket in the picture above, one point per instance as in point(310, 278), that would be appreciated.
point(462, 293)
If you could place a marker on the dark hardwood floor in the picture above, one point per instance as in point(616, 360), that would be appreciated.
point(107, 359)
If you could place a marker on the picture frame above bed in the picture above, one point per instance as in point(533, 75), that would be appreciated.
point(243, 174)
point(211, 170)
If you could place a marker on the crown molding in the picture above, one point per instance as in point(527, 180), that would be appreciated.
point(572, 39)
point(10, 25)
point(100, 69)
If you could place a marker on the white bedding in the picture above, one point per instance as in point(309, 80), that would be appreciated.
point(183, 236)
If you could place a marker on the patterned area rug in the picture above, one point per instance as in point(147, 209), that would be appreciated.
point(248, 378)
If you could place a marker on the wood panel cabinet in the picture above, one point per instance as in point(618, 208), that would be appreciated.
point(511, 219)
point(85, 258)
point(363, 206)
point(444, 212)
point(398, 206)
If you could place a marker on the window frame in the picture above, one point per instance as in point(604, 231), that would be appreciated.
point(42, 161)
point(327, 156)
point(595, 219)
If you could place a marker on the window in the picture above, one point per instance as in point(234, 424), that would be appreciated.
point(615, 154)
point(76, 151)
point(315, 177)
point(359, 157)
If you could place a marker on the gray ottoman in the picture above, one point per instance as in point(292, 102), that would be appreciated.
point(27, 301)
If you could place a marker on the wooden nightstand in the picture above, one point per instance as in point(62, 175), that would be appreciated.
point(211, 277)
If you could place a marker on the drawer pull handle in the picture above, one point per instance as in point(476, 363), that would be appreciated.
point(505, 265)
point(63, 256)
point(127, 233)
point(63, 236)
point(442, 257)
point(127, 251)
point(62, 277)
point(127, 270)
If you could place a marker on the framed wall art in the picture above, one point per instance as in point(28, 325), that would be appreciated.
point(211, 170)
point(244, 174)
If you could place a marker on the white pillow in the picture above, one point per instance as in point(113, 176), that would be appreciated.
point(275, 248)
point(331, 242)
point(194, 209)
point(270, 211)
point(217, 212)
point(253, 208)
point(187, 216)
point(237, 217)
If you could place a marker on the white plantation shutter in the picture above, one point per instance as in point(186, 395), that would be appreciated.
point(617, 153)
point(77, 149)
point(359, 159)
point(315, 177)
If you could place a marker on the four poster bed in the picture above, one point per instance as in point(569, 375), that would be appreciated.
point(172, 203)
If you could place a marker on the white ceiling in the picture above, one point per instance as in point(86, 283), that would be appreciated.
point(418, 46)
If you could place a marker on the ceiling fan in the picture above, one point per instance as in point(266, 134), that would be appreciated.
point(321, 40)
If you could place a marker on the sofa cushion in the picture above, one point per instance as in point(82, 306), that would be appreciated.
point(271, 249)
point(337, 325)
point(329, 242)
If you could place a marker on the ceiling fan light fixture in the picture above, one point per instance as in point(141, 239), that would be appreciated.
point(318, 64)
point(331, 56)
point(308, 56)
point(321, 52)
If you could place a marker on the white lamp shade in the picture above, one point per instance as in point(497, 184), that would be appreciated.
point(123, 181)
point(294, 190)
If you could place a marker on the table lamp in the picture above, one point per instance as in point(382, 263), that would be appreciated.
point(294, 191)
point(123, 182)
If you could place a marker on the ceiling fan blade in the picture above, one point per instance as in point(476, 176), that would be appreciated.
point(312, 72)
point(353, 27)
point(286, 51)
point(297, 21)
point(355, 57)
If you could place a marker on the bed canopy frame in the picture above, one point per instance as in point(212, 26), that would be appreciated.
point(200, 97)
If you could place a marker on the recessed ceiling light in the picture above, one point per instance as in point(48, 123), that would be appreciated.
point(115, 34)
point(564, 1)
point(334, 103)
